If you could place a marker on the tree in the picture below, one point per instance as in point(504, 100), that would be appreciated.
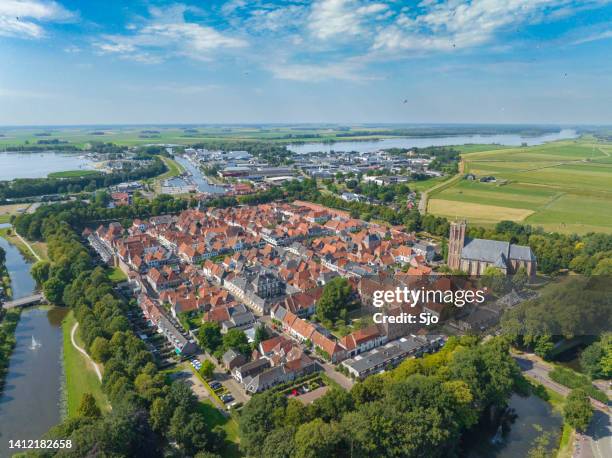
point(317, 439)
point(100, 350)
point(54, 290)
point(261, 334)
point(578, 410)
point(236, 339)
point(590, 360)
point(209, 336)
point(88, 407)
point(336, 296)
point(279, 443)
point(494, 279)
point(258, 418)
point(207, 370)
point(519, 279)
point(332, 405)
point(160, 413)
point(40, 271)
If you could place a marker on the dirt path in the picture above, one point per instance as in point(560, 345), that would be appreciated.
point(82, 351)
point(28, 245)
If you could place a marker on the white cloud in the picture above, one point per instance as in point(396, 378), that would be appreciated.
point(458, 24)
point(168, 33)
point(22, 18)
point(605, 35)
point(331, 18)
point(348, 70)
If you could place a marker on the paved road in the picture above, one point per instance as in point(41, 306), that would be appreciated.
point(341, 379)
point(596, 442)
point(540, 372)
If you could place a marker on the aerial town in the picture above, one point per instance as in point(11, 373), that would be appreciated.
point(267, 266)
point(306, 229)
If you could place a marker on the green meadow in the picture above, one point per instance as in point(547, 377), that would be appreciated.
point(563, 186)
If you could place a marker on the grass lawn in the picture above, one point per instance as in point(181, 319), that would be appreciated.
point(73, 173)
point(215, 418)
point(562, 186)
point(40, 248)
point(12, 209)
point(116, 275)
point(80, 375)
point(174, 168)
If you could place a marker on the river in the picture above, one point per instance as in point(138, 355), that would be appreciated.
point(31, 401)
point(39, 165)
point(422, 142)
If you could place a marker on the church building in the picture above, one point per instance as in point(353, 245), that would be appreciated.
point(475, 255)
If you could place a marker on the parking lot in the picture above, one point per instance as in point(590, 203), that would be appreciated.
point(229, 385)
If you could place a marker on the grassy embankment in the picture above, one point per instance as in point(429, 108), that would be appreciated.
point(80, 378)
point(565, 447)
point(563, 186)
point(174, 169)
point(73, 173)
point(40, 248)
point(7, 326)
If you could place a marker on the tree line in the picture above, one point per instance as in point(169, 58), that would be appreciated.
point(27, 187)
point(423, 408)
point(148, 410)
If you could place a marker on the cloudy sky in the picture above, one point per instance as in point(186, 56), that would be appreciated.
point(237, 61)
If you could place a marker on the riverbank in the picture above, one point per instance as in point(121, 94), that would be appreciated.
point(565, 447)
point(80, 376)
point(5, 282)
point(8, 324)
point(32, 251)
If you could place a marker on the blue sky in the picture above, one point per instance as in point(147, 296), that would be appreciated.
point(237, 61)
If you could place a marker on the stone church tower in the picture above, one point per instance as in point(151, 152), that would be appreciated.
point(456, 240)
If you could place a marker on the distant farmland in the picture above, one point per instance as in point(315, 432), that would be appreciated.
point(562, 186)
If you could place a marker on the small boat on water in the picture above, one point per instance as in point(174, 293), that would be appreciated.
point(35, 344)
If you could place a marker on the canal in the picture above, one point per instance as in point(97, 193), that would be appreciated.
point(198, 177)
point(31, 402)
point(532, 418)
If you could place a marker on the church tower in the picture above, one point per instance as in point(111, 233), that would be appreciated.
point(456, 239)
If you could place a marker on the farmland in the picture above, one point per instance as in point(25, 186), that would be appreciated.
point(563, 186)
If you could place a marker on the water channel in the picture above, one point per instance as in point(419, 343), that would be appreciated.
point(534, 418)
point(31, 401)
point(198, 177)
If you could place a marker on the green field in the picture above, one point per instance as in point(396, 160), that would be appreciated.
point(563, 186)
point(80, 376)
point(138, 135)
point(73, 174)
